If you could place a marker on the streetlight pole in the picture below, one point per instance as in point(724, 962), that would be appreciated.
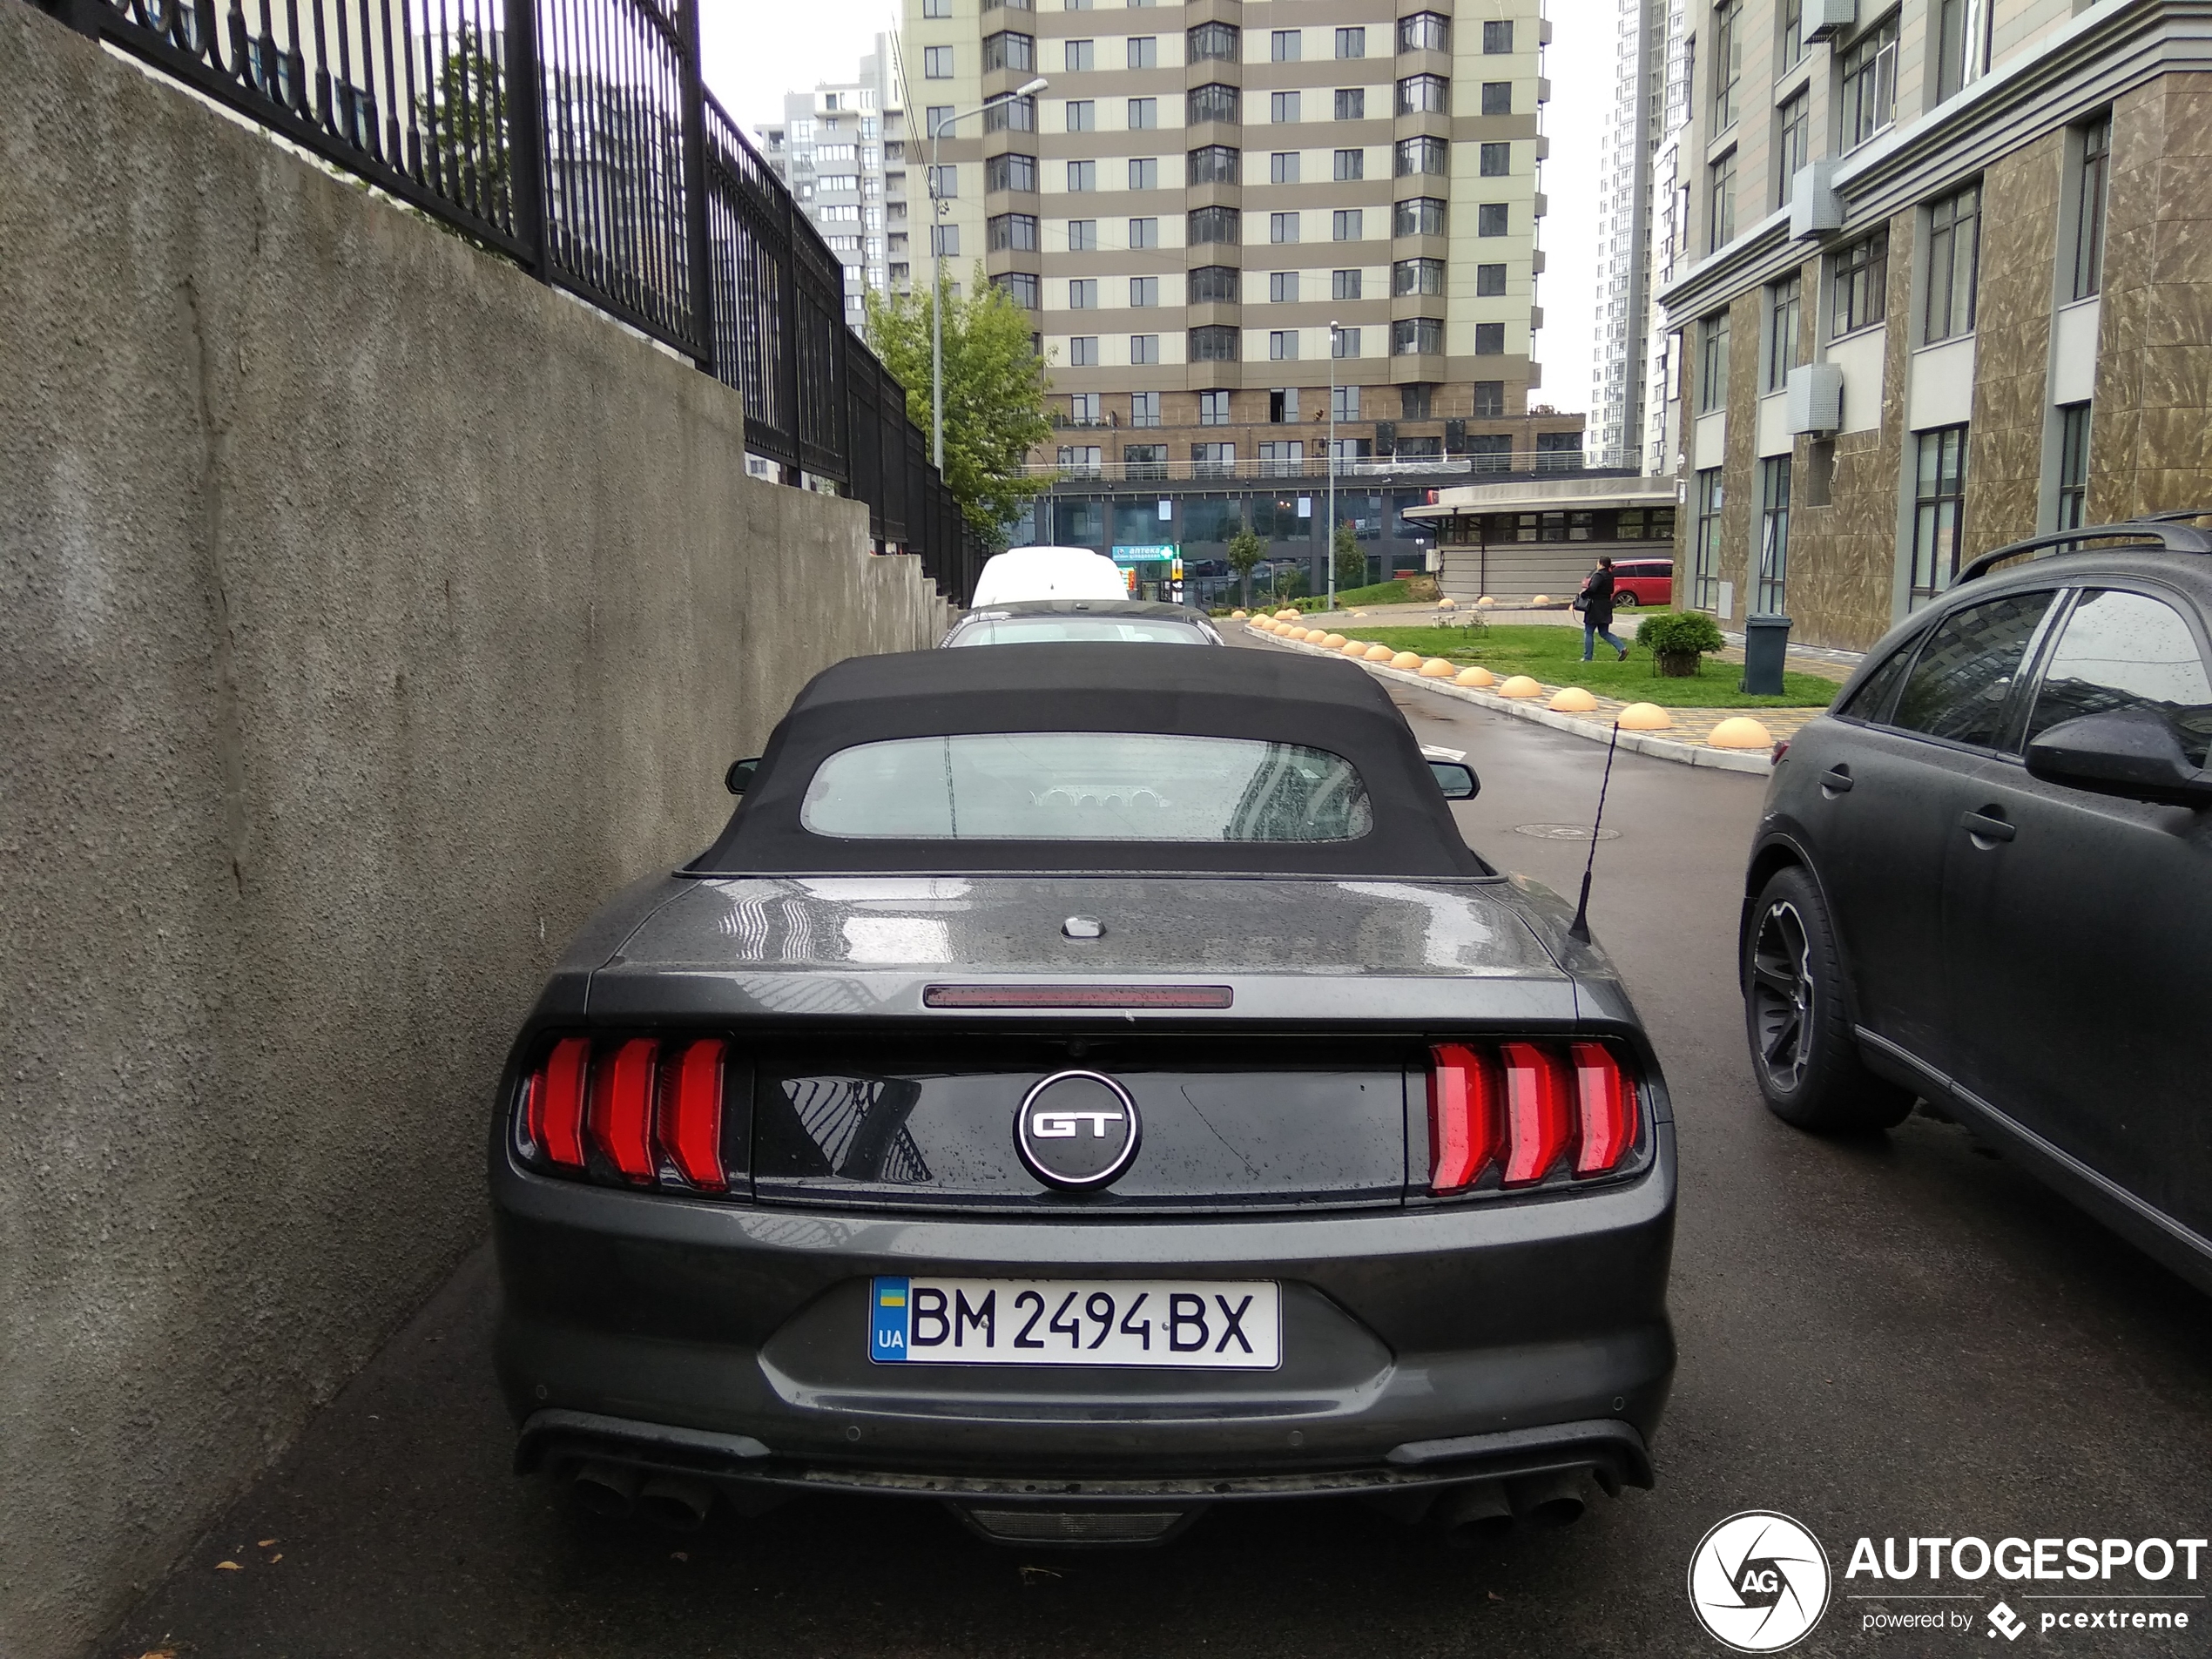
point(1330, 541)
point(937, 267)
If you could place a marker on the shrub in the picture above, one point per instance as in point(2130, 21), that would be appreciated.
point(1676, 640)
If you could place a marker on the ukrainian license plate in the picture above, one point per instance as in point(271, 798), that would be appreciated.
point(1199, 1325)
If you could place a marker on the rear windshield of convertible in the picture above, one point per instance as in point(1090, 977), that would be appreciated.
point(1086, 786)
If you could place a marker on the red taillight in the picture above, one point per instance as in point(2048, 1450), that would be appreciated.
point(1462, 1116)
point(1540, 1120)
point(690, 1119)
point(622, 1107)
point(1606, 1098)
point(557, 1101)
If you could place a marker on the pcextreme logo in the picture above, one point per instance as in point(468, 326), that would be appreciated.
point(1758, 1582)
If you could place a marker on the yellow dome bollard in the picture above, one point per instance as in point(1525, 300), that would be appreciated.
point(1354, 648)
point(1572, 699)
point(1332, 641)
point(1542, 599)
point(1379, 653)
point(1358, 613)
point(1477, 676)
point(1437, 669)
point(1407, 660)
point(1521, 686)
point(1288, 613)
point(1317, 636)
point(1236, 616)
point(1447, 603)
point(1740, 732)
point(1644, 716)
point(1485, 600)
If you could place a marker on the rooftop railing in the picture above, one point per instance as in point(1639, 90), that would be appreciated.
point(1457, 468)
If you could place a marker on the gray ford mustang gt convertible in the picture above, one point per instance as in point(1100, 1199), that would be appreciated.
point(1084, 1084)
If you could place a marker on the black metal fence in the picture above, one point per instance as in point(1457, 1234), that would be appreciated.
point(575, 136)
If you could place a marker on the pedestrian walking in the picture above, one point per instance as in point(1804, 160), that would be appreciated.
point(1596, 603)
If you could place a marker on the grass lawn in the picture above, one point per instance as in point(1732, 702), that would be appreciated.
point(1554, 656)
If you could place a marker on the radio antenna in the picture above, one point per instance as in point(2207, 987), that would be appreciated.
point(1581, 929)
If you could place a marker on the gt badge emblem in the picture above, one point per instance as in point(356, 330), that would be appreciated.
point(1077, 1130)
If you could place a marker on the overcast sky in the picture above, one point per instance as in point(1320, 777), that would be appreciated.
point(756, 50)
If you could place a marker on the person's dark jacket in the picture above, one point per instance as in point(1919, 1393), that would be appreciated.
point(1598, 600)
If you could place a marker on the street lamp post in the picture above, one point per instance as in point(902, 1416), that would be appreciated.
point(1328, 542)
point(1028, 88)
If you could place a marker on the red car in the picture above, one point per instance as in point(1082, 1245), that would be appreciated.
point(1643, 581)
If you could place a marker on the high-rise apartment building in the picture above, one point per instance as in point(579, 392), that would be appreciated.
point(843, 150)
point(1204, 189)
point(1944, 288)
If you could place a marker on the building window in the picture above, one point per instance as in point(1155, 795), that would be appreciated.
point(1489, 340)
point(1705, 550)
point(1213, 409)
point(1082, 236)
point(1283, 169)
point(1421, 216)
point(1793, 144)
point(1496, 160)
point(1214, 343)
point(1492, 219)
point(1216, 164)
point(1082, 351)
point(1025, 288)
point(944, 241)
point(1083, 115)
point(1938, 507)
point(1351, 103)
point(1417, 276)
point(1489, 399)
point(1791, 49)
point(1082, 292)
point(1418, 336)
point(1347, 224)
point(1282, 287)
point(1489, 281)
point(936, 62)
point(1343, 285)
point(1020, 51)
point(1144, 173)
point(1144, 293)
point(1352, 42)
point(1774, 534)
point(1860, 282)
point(1284, 46)
point(1282, 459)
point(1497, 97)
point(1427, 94)
point(1213, 460)
point(939, 116)
point(2074, 466)
point(1954, 258)
point(1076, 55)
point(1784, 304)
point(1712, 371)
point(1083, 176)
point(1144, 114)
point(1869, 85)
point(1206, 225)
point(1215, 101)
point(1728, 63)
point(936, 8)
point(1282, 406)
point(1079, 460)
point(1960, 47)
point(1211, 41)
point(1283, 107)
point(1345, 343)
point(1212, 284)
point(1011, 230)
point(1351, 163)
point(1142, 462)
point(1010, 115)
point(2089, 192)
point(1145, 406)
point(1282, 345)
point(1497, 37)
point(1143, 51)
point(1144, 233)
point(1431, 32)
point(1085, 409)
point(1415, 402)
point(944, 182)
point(1343, 401)
point(1720, 203)
point(1424, 155)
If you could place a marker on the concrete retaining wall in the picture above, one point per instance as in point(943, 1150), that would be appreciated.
point(369, 612)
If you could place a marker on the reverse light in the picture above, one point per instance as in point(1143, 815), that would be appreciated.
point(1524, 1107)
point(640, 1107)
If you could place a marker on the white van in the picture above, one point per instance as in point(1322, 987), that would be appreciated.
point(1049, 573)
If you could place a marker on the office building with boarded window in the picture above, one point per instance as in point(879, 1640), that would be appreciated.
point(1949, 283)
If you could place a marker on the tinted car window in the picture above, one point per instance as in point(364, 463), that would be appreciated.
point(2124, 650)
point(1871, 700)
point(1086, 786)
point(1958, 682)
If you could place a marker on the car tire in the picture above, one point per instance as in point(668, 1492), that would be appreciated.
point(1797, 1020)
point(1625, 601)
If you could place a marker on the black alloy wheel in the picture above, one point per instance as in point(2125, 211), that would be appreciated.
point(1802, 1053)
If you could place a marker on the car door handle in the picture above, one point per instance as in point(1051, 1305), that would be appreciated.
point(1982, 826)
point(1835, 781)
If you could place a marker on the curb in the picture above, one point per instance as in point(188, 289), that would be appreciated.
point(1658, 747)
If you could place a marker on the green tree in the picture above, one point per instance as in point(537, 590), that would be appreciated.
point(1245, 549)
point(465, 121)
point(1351, 563)
point(995, 388)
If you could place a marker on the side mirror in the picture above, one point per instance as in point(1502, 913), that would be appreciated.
point(1456, 779)
point(2132, 753)
point(738, 778)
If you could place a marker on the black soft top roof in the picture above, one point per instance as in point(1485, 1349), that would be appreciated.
point(1322, 703)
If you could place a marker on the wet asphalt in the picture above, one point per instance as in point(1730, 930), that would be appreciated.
point(1888, 1336)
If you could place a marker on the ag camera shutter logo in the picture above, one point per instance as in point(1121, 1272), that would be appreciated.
point(1758, 1582)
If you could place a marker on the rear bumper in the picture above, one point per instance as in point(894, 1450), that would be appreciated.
point(1423, 1346)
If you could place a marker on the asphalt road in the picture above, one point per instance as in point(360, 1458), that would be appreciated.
point(1892, 1336)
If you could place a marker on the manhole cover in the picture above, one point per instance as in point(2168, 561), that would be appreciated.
point(1564, 832)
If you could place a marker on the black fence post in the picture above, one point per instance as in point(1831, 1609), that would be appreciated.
point(526, 133)
point(697, 220)
point(793, 325)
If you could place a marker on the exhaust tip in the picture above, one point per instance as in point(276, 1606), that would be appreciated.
point(1473, 1511)
point(670, 1501)
point(1549, 1500)
point(605, 1489)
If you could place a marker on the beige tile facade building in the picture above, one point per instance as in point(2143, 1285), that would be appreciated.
point(1950, 284)
point(1204, 188)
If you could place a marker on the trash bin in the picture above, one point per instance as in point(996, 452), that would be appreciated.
point(1766, 643)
